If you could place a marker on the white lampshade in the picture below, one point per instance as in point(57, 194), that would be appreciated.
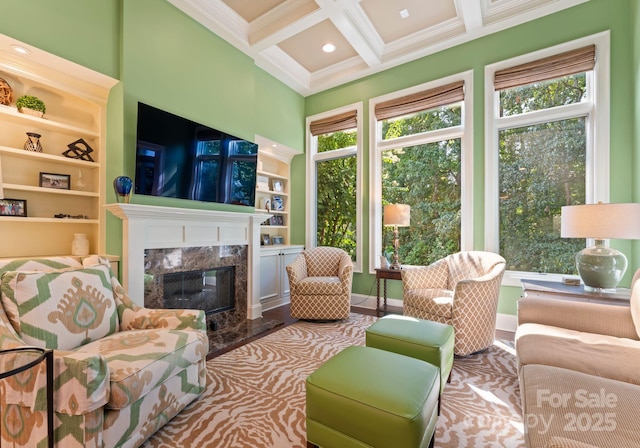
point(601, 267)
point(397, 215)
point(601, 221)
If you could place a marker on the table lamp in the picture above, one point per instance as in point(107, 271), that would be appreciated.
point(396, 215)
point(600, 267)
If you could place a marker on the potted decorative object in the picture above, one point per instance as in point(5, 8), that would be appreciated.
point(6, 93)
point(31, 105)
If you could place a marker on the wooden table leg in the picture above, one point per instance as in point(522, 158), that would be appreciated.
point(378, 297)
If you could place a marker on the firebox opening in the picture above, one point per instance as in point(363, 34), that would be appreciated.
point(209, 290)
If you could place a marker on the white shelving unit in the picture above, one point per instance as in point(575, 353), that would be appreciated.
point(75, 99)
point(274, 166)
point(274, 162)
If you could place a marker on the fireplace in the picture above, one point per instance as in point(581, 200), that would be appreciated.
point(209, 278)
point(178, 233)
point(210, 290)
point(169, 240)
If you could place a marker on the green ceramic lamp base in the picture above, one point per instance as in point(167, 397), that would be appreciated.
point(601, 268)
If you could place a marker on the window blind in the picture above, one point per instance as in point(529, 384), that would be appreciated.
point(340, 122)
point(425, 100)
point(564, 64)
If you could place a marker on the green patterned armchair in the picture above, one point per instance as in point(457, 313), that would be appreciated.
point(121, 371)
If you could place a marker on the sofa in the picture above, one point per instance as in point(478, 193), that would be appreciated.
point(121, 371)
point(579, 372)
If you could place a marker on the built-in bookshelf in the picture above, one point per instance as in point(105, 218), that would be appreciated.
point(46, 196)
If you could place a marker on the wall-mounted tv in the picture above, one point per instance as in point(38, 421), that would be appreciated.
point(178, 158)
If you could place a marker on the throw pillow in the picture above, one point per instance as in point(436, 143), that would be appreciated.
point(60, 309)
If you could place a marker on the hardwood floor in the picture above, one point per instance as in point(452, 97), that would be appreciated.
point(283, 314)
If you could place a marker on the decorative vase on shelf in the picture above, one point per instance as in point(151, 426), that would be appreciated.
point(80, 245)
point(33, 142)
point(123, 186)
point(80, 183)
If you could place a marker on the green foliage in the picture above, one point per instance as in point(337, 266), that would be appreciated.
point(426, 177)
point(31, 102)
point(336, 194)
point(542, 168)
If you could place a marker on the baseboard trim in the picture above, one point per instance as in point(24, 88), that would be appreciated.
point(267, 305)
point(504, 322)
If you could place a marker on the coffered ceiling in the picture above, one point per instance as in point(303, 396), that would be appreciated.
point(285, 37)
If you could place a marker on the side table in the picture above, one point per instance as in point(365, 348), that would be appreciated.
point(17, 360)
point(558, 290)
point(385, 274)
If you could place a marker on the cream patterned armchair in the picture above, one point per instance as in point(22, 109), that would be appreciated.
point(461, 290)
point(320, 283)
point(121, 371)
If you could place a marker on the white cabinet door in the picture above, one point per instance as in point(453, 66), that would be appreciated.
point(270, 274)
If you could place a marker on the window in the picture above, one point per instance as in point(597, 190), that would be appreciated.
point(422, 157)
point(546, 148)
point(334, 170)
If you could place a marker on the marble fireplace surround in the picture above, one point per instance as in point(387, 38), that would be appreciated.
point(155, 227)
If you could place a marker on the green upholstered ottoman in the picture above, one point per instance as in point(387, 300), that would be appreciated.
point(366, 397)
point(422, 339)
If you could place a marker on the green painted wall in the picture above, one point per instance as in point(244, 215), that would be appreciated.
point(83, 32)
point(582, 20)
point(635, 19)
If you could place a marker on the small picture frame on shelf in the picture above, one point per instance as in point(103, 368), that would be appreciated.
point(276, 185)
point(277, 204)
point(265, 239)
point(13, 207)
point(56, 181)
point(277, 220)
point(262, 183)
point(277, 239)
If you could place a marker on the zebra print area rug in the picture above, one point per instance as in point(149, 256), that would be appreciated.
point(256, 393)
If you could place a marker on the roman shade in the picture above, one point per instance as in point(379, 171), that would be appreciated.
point(416, 102)
point(335, 123)
point(564, 64)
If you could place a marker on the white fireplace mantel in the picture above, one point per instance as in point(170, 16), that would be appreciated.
point(154, 227)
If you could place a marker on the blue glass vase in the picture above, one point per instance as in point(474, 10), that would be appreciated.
point(123, 185)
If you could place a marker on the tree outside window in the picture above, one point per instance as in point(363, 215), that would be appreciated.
point(336, 193)
point(427, 177)
point(542, 167)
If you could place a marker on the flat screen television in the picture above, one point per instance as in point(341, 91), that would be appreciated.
point(178, 158)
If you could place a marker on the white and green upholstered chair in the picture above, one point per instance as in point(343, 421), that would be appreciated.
point(121, 371)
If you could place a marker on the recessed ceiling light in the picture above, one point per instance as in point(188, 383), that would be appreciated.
point(404, 13)
point(328, 48)
point(20, 49)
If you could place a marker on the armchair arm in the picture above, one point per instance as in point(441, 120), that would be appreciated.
point(477, 298)
point(134, 317)
point(297, 270)
point(345, 273)
point(612, 320)
point(433, 276)
point(81, 384)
